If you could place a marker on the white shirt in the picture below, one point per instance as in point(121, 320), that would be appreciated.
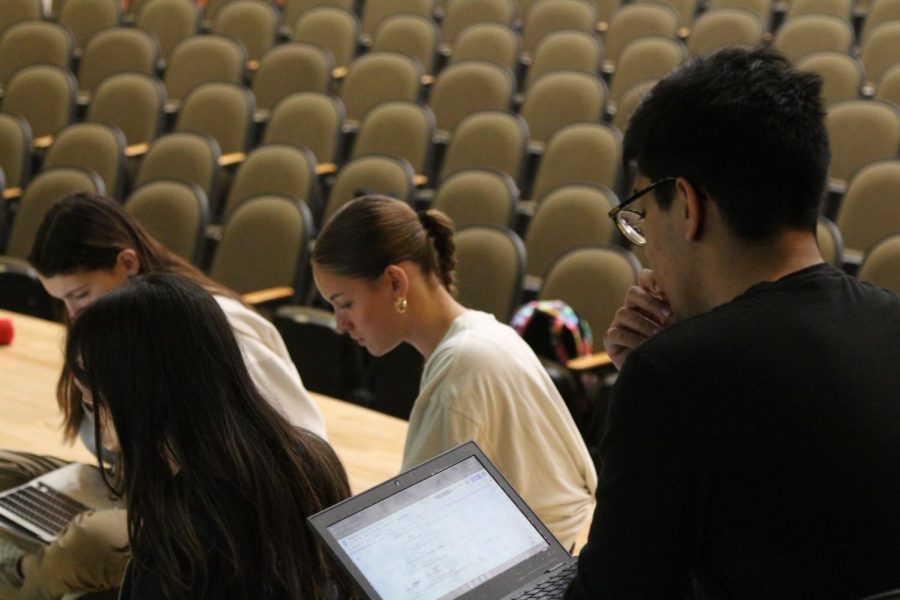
point(484, 383)
point(271, 368)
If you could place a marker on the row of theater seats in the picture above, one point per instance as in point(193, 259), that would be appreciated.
point(461, 90)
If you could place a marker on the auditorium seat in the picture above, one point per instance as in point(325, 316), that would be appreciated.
point(84, 18)
point(43, 191)
point(15, 155)
point(870, 208)
point(812, 33)
point(586, 152)
point(412, 35)
point(761, 8)
point(94, 147)
point(880, 50)
point(561, 98)
point(567, 50)
point(548, 16)
point(183, 156)
point(888, 87)
point(490, 266)
point(647, 58)
point(881, 267)
point(265, 247)
point(592, 280)
point(478, 196)
point(376, 77)
point(133, 102)
point(291, 10)
point(373, 13)
point(333, 29)
point(43, 95)
point(567, 217)
point(115, 50)
point(488, 42)
point(170, 21)
point(465, 88)
point(491, 139)
point(310, 120)
point(33, 42)
point(372, 174)
point(287, 69)
point(223, 111)
point(634, 21)
point(463, 14)
point(274, 169)
point(398, 128)
point(201, 59)
point(841, 9)
point(716, 29)
point(842, 74)
point(253, 23)
point(175, 213)
point(830, 242)
point(859, 131)
point(19, 10)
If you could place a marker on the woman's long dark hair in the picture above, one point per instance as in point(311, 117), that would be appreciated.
point(218, 485)
point(87, 233)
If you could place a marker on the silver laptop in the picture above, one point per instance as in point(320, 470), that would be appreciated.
point(42, 508)
point(449, 528)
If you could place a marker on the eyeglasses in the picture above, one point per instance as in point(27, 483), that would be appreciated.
point(631, 222)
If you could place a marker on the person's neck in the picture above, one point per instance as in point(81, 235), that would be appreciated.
point(435, 309)
point(738, 266)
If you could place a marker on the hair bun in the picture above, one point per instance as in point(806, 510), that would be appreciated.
point(426, 220)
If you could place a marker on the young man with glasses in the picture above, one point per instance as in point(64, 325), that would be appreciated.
point(753, 438)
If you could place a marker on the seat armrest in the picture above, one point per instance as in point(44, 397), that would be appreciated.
point(232, 158)
point(137, 150)
point(593, 362)
point(268, 295)
point(11, 194)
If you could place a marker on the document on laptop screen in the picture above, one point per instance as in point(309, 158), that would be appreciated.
point(439, 538)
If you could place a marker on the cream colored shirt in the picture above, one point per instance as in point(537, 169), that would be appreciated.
point(484, 383)
point(271, 367)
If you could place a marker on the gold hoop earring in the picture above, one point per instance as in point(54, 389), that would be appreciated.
point(401, 305)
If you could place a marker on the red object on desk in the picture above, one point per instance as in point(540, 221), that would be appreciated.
point(6, 332)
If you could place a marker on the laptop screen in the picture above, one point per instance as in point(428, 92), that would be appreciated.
point(440, 537)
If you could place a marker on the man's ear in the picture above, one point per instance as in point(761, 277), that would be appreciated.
point(398, 279)
point(693, 209)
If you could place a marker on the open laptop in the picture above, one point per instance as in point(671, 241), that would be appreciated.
point(39, 510)
point(449, 528)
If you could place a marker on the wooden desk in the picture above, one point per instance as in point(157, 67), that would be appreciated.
point(369, 443)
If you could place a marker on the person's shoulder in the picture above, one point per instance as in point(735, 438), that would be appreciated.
point(242, 319)
point(476, 336)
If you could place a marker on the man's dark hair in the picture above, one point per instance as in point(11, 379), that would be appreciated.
point(745, 128)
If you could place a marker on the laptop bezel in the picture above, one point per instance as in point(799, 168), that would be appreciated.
point(501, 585)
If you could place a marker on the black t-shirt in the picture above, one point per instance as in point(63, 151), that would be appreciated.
point(754, 451)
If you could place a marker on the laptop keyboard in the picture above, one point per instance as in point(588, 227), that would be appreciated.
point(553, 587)
point(43, 506)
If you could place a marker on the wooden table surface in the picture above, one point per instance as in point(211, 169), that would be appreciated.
point(369, 443)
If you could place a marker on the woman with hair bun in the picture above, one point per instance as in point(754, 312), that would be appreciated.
point(389, 271)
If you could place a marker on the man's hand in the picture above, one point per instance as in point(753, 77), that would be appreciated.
point(643, 315)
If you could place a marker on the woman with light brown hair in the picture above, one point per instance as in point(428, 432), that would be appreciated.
point(389, 271)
